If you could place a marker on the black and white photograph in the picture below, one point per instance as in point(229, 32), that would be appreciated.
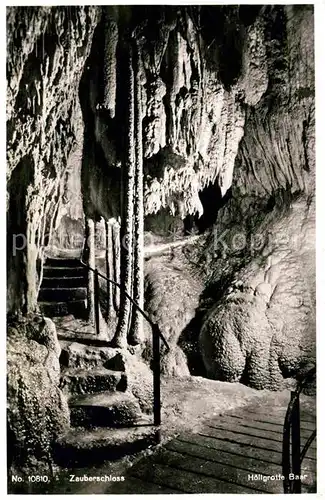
point(161, 249)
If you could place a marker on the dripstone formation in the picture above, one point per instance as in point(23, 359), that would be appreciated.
point(172, 148)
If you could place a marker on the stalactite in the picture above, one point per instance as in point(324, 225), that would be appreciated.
point(109, 63)
point(136, 327)
point(120, 338)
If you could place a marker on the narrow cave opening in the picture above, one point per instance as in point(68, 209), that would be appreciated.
point(212, 201)
point(164, 224)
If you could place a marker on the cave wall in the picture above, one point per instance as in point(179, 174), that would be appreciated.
point(227, 102)
point(199, 111)
point(259, 260)
point(46, 51)
point(257, 310)
point(220, 85)
point(275, 164)
point(261, 329)
point(37, 411)
point(68, 230)
point(193, 110)
point(278, 147)
point(193, 103)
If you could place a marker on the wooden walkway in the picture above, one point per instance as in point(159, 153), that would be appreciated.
point(231, 453)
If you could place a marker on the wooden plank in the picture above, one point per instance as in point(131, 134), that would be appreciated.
point(245, 429)
point(197, 448)
point(307, 416)
point(233, 447)
point(257, 424)
point(183, 481)
point(135, 486)
point(244, 439)
point(268, 418)
point(309, 488)
point(224, 471)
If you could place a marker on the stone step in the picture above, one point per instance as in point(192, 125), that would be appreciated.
point(62, 294)
point(89, 338)
point(81, 381)
point(77, 308)
point(62, 262)
point(64, 282)
point(83, 448)
point(106, 409)
point(61, 271)
point(79, 355)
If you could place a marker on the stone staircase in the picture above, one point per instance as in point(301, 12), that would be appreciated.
point(106, 421)
point(105, 417)
point(63, 289)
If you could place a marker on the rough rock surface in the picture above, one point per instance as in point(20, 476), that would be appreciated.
point(248, 126)
point(263, 328)
point(172, 294)
point(76, 355)
point(259, 261)
point(46, 51)
point(37, 410)
point(202, 115)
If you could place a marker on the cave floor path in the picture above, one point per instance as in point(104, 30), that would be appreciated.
point(230, 453)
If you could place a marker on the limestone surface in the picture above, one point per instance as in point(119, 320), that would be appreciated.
point(263, 328)
point(37, 411)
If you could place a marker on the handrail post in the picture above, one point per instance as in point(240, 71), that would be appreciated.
point(286, 455)
point(156, 337)
point(156, 375)
point(292, 457)
point(295, 443)
point(97, 303)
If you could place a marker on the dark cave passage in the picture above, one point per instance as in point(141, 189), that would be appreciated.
point(212, 201)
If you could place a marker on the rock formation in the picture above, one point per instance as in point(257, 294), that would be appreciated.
point(263, 328)
point(37, 410)
point(212, 114)
point(265, 234)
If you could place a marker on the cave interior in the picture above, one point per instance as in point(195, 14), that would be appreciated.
point(170, 149)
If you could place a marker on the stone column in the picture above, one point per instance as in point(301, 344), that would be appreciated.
point(90, 229)
point(109, 269)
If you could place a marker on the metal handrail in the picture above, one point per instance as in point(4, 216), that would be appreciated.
point(146, 317)
point(156, 336)
point(292, 423)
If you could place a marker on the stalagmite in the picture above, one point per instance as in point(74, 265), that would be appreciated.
point(109, 270)
point(136, 327)
point(116, 264)
point(120, 338)
point(90, 242)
